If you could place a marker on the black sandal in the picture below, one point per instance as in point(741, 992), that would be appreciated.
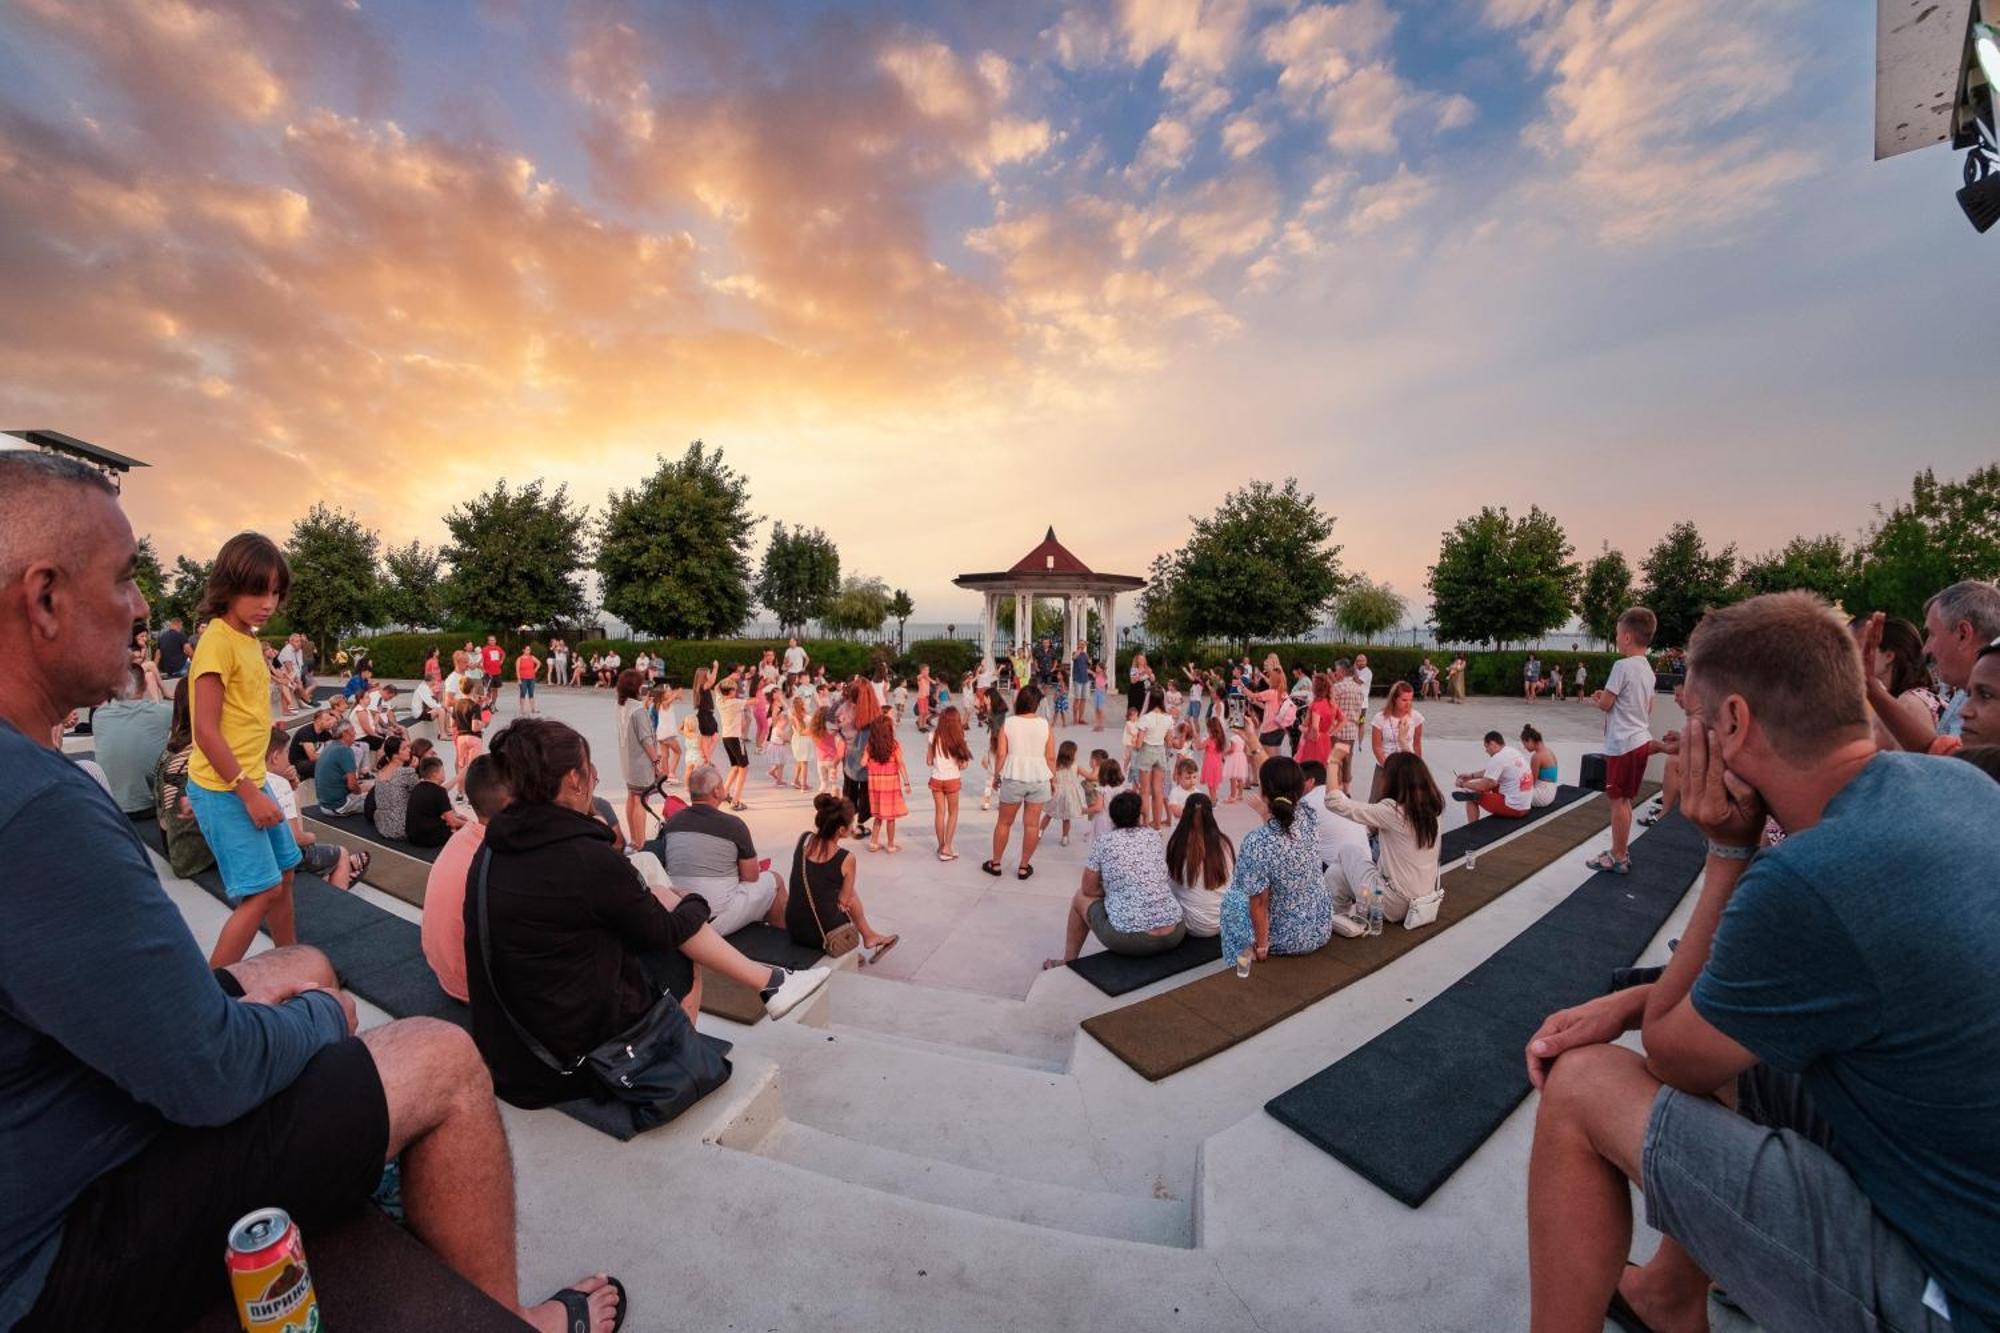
point(576, 1307)
point(1025, 872)
point(991, 867)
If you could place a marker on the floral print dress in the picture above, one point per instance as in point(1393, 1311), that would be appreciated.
point(1286, 866)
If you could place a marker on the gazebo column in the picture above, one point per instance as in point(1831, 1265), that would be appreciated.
point(1111, 634)
point(986, 628)
point(1024, 619)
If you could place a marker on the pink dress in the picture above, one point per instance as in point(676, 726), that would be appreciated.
point(1211, 765)
point(1236, 768)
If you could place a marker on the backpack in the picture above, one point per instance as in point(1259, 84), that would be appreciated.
point(1288, 713)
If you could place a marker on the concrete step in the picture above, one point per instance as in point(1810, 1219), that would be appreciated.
point(959, 1023)
point(1082, 1212)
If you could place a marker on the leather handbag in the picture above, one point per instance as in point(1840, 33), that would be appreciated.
point(844, 938)
point(658, 1067)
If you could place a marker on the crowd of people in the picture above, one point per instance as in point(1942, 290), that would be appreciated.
point(1808, 1118)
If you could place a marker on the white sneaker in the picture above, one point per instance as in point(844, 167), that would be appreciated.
point(798, 986)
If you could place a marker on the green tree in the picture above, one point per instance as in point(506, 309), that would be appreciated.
point(1816, 564)
point(859, 608)
point(151, 578)
point(334, 584)
point(1263, 565)
point(413, 585)
point(1606, 594)
point(1684, 581)
point(515, 558)
point(1945, 531)
point(901, 608)
point(674, 551)
point(800, 575)
point(1368, 608)
point(185, 591)
point(1500, 579)
point(1045, 622)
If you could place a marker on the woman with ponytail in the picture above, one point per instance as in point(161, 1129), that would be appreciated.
point(1277, 901)
point(823, 896)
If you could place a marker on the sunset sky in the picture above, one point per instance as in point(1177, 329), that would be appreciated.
point(938, 276)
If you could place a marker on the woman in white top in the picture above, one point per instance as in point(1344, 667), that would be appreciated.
point(949, 756)
point(1397, 729)
point(1024, 759)
point(1149, 761)
point(1406, 820)
point(1200, 858)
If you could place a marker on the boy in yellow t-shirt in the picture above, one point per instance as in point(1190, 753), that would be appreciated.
point(254, 848)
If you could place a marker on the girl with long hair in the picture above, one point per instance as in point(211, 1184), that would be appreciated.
point(799, 722)
point(949, 756)
point(1397, 729)
point(1200, 857)
point(638, 753)
point(1277, 900)
point(1023, 758)
point(888, 782)
point(709, 726)
point(1405, 821)
point(859, 713)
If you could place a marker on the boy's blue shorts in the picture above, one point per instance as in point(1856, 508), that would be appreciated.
point(250, 859)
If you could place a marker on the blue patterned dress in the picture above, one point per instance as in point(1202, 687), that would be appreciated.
point(1286, 865)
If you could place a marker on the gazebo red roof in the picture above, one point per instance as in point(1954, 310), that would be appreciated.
point(1051, 557)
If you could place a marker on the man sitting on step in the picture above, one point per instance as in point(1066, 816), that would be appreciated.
point(150, 1103)
point(708, 851)
point(1812, 1120)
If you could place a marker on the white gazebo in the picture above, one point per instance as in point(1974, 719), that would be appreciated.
point(1050, 571)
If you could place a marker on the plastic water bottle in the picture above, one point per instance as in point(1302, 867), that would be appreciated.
point(1471, 858)
point(1375, 911)
point(1243, 961)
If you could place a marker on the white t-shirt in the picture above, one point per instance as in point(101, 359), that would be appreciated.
point(1201, 909)
point(795, 660)
point(1332, 832)
point(454, 685)
point(1629, 723)
point(1512, 777)
point(1153, 728)
point(1100, 823)
point(1390, 729)
point(426, 702)
point(1366, 675)
point(281, 791)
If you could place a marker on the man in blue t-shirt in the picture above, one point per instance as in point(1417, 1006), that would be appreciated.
point(149, 1102)
point(337, 773)
point(1841, 988)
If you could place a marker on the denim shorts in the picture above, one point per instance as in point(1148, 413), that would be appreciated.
point(250, 859)
point(1014, 791)
point(1773, 1218)
point(526, 688)
point(1149, 757)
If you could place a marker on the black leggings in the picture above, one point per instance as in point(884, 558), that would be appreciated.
point(856, 790)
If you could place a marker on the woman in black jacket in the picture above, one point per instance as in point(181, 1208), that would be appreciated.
point(580, 946)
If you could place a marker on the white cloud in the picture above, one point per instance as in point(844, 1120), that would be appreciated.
point(1243, 134)
point(1362, 110)
point(1389, 201)
point(1320, 45)
point(1165, 148)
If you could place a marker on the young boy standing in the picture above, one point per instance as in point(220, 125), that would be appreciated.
point(253, 846)
point(1627, 703)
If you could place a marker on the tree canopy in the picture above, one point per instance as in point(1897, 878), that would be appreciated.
point(1500, 579)
point(1263, 565)
point(859, 608)
point(800, 575)
point(1605, 595)
point(515, 558)
point(151, 578)
point(900, 609)
point(1945, 531)
point(334, 584)
point(185, 590)
point(1367, 609)
point(674, 551)
point(1683, 581)
point(413, 585)
point(1815, 564)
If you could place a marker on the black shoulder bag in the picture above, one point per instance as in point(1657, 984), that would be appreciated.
point(658, 1067)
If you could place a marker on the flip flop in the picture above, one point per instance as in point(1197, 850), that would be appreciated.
point(362, 860)
point(576, 1307)
point(882, 948)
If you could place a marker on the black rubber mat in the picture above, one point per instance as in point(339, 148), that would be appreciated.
point(1407, 1109)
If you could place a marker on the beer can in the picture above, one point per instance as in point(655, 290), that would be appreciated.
point(267, 1270)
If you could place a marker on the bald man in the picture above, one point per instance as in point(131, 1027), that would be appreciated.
point(151, 1102)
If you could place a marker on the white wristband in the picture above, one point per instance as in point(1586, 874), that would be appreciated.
point(1724, 852)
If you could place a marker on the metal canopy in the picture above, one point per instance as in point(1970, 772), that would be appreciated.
point(1920, 50)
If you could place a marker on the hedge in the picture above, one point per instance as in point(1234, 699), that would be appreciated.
point(1486, 671)
point(401, 656)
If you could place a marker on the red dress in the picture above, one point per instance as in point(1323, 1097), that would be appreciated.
point(885, 786)
point(1317, 743)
